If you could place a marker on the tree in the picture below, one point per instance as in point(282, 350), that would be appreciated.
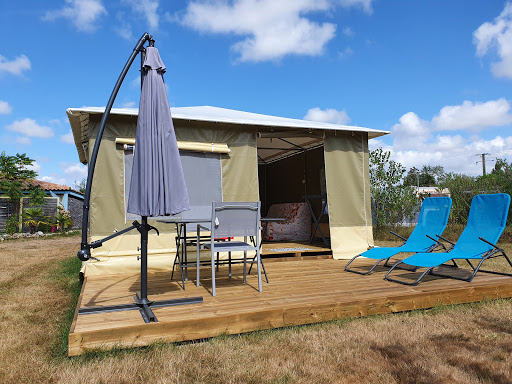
point(13, 171)
point(428, 176)
point(392, 201)
point(463, 188)
point(14, 174)
point(502, 168)
point(80, 186)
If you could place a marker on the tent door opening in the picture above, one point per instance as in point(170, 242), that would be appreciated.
point(291, 170)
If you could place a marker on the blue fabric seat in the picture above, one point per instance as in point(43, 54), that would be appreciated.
point(431, 222)
point(486, 221)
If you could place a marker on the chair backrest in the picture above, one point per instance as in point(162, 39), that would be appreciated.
point(487, 218)
point(235, 219)
point(432, 221)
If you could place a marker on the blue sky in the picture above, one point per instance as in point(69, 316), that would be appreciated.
point(435, 73)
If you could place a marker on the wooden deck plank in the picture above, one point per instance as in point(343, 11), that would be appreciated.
point(299, 293)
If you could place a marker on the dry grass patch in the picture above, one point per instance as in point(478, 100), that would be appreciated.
point(32, 304)
point(462, 344)
point(456, 344)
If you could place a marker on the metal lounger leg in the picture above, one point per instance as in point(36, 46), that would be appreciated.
point(428, 271)
point(359, 272)
point(491, 254)
point(410, 268)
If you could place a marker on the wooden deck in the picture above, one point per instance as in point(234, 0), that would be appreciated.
point(300, 292)
point(284, 250)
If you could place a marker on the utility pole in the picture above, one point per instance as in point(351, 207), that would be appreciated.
point(482, 161)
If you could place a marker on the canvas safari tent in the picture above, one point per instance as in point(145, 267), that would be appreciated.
point(231, 156)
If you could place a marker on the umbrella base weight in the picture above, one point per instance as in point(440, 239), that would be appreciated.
point(144, 306)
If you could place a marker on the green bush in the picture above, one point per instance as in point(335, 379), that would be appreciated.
point(463, 188)
point(12, 224)
point(392, 201)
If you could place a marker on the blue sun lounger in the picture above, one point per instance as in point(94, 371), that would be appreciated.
point(486, 222)
point(431, 222)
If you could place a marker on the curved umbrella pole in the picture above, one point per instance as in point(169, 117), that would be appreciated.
point(84, 253)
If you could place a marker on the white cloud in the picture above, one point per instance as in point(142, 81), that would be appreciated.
point(410, 131)
point(84, 14)
point(16, 66)
point(497, 36)
point(68, 138)
point(74, 172)
point(473, 116)
point(54, 179)
point(129, 104)
point(36, 167)
point(347, 31)
point(135, 83)
point(456, 153)
point(55, 122)
point(29, 127)
point(366, 5)
point(328, 115)
point(68, 174)
point(415, 142)
point(22, 140)
point(123, 28)
point(346, 53)
point(149, 8)
point(5, 108)
point(272, 29)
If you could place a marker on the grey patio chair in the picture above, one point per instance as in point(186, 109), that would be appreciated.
point(236, 219)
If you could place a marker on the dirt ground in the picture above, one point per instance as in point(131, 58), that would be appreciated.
point(38, 286)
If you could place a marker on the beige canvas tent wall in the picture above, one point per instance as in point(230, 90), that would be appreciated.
point(240, 140)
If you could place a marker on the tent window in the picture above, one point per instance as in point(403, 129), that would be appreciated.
point(203, 176)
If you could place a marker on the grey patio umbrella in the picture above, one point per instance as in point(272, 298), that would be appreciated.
point(157, 185)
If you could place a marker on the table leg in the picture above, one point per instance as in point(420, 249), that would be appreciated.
point(198, 256)
point(184, 249)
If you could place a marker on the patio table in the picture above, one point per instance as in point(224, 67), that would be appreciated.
point(181, 243)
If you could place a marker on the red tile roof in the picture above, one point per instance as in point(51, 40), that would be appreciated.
point(47, 186)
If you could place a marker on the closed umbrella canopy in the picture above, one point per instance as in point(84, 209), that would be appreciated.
point(157, 185)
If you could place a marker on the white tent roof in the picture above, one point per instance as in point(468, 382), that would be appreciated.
point(231, 116)
point(292, 134)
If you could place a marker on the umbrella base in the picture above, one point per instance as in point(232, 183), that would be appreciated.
point(143, 305)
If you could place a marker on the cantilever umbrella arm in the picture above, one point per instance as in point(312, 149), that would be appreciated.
point(85, 248)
